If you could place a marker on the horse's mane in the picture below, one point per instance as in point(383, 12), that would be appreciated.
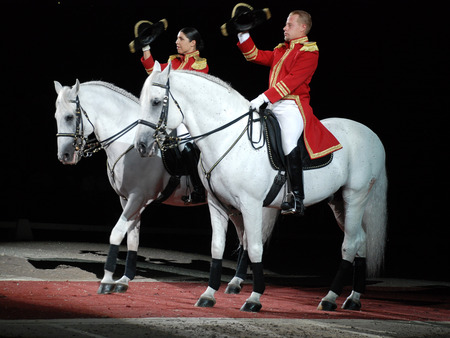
point(209, 77)
point(114, 88)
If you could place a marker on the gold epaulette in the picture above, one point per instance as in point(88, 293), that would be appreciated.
point(199, 63)
point(280, 45)
point(309, 47)
point(172, 57)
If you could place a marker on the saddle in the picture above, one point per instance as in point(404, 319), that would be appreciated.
point(176, 167)
point(272, 135)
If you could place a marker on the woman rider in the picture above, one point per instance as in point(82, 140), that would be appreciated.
point(189, 43)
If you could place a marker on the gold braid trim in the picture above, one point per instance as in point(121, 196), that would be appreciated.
point(309, 47)
point(199, 63)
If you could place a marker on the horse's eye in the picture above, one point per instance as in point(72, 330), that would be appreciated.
point(69, 118)
point(156, 102)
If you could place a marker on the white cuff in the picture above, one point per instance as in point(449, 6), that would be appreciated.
point(146, 48)
point(243, 36)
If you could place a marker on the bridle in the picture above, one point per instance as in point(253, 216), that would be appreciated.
point(162, 138)
point(80, 140)
point(165, 141)
point(87, 147)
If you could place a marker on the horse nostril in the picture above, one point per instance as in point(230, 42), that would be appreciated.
point(66, 157)
point(142, 148)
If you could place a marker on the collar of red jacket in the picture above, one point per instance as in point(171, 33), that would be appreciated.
point(188, 55)
point(291, 44)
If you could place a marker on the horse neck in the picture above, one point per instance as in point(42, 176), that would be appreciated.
point(208, 107)
point(108, 111)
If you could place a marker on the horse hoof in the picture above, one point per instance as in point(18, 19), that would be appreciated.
point(326, 306)
point(233, 289)
point(251, 307)
point(351, 304)
point(205, 302)
point(106, 288)
point(121, 288)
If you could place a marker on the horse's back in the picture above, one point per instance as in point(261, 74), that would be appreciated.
point(354, 135)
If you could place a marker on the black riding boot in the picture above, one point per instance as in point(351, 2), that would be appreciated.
point(294, 205)
point(190, 159)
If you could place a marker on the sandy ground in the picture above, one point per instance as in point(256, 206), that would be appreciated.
point(61, 261)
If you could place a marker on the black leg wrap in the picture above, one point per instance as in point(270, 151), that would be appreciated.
point(359, 275)
point(345, 269)
point(215, 273)
point(241, 270)
point(111, 260)
point(130, 265)
point(258, 278)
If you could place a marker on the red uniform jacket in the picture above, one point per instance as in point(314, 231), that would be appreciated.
point(191, 61)
point(292, 65)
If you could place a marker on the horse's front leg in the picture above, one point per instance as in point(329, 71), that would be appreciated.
point(269, 218)
point(253, 231)
point(130, 263)
point(219, 223)
point(123, 225)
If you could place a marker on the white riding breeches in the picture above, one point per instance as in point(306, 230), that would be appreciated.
point(291, 123)
point(181, 129)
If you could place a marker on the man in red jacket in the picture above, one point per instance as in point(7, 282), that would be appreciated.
point(292, 65)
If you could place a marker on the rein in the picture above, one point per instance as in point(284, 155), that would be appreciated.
point(165, 141)
point(87, 147)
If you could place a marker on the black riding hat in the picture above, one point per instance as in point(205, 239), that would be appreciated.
point(244, 18)
point(145, 32)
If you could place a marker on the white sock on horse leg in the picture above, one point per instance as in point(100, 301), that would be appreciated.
point(354, 295)
point(123, 280)
point(209, 293)
point(107, 277)
point(254, 297)
point(331, 296)
point(236, 281)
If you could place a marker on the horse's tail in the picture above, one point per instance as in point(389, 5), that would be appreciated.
point(375, 222)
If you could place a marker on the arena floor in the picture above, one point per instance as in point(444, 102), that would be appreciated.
point(48, 289)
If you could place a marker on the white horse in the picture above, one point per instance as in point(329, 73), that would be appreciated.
point(238, 176)
point(111, 113)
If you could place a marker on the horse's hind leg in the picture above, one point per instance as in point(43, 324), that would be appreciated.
point(359, 285)
point(234, 286)
point(350, 220)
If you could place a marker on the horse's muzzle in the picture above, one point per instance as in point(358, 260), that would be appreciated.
point(147, 150)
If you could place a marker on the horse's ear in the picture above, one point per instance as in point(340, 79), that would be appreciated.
point(58, 86)
point(75, 89)
point(156, 67)
point(167, 70)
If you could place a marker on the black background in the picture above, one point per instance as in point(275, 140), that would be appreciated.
point(383, 64)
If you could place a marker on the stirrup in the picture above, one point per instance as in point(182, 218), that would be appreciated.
point(292, 206)
point(194, 198)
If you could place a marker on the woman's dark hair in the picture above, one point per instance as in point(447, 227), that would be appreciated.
point(193, 34)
